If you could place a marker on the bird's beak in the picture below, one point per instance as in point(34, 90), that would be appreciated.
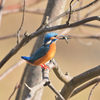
point(63, 37)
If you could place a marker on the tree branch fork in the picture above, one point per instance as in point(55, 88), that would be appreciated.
point(71, 84)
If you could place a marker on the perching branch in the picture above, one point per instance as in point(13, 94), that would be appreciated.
point(38, 86)
point(31, 36)
point(72, 83)
point(44, 82)
point(54, 6)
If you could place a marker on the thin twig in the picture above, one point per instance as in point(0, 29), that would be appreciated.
point(10, 36)
point(85, 86)
point(55, 91)
point(93, 10)
point(1, 9)
point(63, 14)
point(74, 10)
point(69, 13)
point(38, 86)
point(88, 5)
point(33, 11)
point(91, 25)
point(26, 38)
point(11, 69)
point(89, 98)
point(18, 32)
point(16, 87)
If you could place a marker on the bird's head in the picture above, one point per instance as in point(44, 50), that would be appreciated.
point(50, 38)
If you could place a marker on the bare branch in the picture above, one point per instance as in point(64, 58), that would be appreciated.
point(81, 8)
point(89, 98)
point(18, 32)
point(26, 38)
point(81, 88)
point(94, 9)
point(69, 13)
point(1, 8)
point(84, 37)
point(44, 82)
point(11, 69)
point(10, 36)
point(16, 87)
point(58, 72)
point(55, 91)
point(34, 11)
point(79, 80)
point(74, 10)
point(91, 25)
point(65, 13)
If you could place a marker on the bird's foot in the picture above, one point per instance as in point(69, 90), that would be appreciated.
point(44, 66)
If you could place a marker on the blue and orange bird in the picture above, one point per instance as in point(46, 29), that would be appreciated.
point(45, 53)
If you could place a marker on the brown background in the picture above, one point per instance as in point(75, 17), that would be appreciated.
point(74, 57)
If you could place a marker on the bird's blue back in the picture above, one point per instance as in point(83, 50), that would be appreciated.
point(39, 53)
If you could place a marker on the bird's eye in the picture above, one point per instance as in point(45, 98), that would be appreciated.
point(55, 35)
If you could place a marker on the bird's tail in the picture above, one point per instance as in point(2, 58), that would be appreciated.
point(25, 58)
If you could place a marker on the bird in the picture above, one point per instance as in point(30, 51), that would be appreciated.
point(45, 53)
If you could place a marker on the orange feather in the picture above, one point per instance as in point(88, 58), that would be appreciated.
point(49, 55)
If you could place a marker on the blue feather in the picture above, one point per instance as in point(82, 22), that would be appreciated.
point(25, 58)
point(48, 36)
point(39, 53)
point(42, 51)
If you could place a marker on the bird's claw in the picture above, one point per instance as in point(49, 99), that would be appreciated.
point(44, 66)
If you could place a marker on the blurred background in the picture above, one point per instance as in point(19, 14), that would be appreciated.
point(75, 58)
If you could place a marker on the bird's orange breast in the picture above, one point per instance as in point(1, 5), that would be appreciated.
point(49, 55)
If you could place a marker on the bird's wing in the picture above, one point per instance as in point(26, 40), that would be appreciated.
point(39, 53)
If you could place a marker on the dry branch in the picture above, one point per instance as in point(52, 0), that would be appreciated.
point(70, 83)
point(1, 9)
point(32, 11)
point(11, 69)
point(74, 10)
point(10, 36)
point(27, 38)
point(16, 87)
point(18, 32)
point(89, 98)
point(44, 82)
point(85, 86)
point(76, 81)
point(52, 7)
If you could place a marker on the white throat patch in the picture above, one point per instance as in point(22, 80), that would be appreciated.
point(49, 42)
